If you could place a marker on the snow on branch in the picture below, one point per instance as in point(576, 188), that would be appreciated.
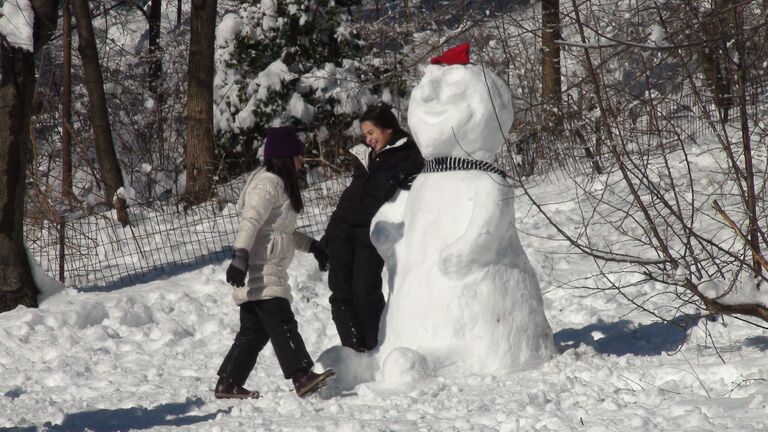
point(16, 23)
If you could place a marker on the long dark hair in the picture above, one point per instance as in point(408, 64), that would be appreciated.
point(382, 117)
point(286, 170)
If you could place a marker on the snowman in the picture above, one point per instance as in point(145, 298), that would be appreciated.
point(461, 290)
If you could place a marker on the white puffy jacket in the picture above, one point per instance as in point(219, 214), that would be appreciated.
point(267, 231)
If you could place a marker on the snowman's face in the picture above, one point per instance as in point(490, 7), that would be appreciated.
point(451, 112)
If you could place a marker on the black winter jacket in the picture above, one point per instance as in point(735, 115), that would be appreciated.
point(376, 179)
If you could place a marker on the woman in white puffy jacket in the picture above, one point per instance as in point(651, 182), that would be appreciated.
point(264, 247)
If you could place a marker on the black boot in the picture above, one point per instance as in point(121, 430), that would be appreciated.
point(307, 382)
point(226, 389)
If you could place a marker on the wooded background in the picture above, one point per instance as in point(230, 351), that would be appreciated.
point(127, 106)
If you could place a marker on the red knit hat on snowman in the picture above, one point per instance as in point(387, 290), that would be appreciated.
point(458, 55)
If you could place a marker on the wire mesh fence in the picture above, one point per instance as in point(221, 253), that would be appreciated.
point(646, 125)
point(164, 238)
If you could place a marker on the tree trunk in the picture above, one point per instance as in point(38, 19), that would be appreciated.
point(200, 149)
point(16, 284)
point(155, 61)
point(102, 131)
point(17, 85)
point(752, 197)
point(154, 79)
point(714, 57)
point(66, 105)
point(551, 93)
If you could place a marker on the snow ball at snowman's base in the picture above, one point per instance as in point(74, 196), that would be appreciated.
point(403, 366)
point(352, 368)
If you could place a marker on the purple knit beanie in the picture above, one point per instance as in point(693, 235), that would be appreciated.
point(282, 142)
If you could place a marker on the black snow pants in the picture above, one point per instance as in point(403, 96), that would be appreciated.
point(262, 321)
point(354, 278)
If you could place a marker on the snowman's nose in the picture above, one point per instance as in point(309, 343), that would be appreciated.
point(429, 91)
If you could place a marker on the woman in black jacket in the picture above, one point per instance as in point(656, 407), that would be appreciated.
point(390, 160)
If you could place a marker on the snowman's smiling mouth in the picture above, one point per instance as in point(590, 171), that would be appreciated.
point(431, 112)
point(443, 118)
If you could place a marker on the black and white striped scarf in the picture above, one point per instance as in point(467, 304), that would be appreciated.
point(452, 163)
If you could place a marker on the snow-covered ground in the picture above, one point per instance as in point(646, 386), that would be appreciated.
point(145, 357)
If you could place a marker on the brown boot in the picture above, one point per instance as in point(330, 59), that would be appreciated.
point(307, 382)
point(226, 389)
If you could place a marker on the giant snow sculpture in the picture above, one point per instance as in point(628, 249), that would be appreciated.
point(462, 291)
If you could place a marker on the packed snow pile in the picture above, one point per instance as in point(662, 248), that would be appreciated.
point(462, 291)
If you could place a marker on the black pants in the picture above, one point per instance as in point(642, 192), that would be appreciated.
point(354, 278)
point(262, 321)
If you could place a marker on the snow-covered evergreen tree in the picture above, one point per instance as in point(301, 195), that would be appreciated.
point(281, 62)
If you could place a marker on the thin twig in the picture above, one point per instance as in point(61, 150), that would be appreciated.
point(755, 254)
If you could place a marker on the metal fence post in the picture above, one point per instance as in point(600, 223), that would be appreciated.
point(62, 253)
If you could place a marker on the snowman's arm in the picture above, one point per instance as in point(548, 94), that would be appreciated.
point(488, 235)
point(387, 225)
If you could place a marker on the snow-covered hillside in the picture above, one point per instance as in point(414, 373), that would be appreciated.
point(145, 357)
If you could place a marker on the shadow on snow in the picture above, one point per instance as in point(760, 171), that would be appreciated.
point(623, 337)
point(155, 273)
point(103, 420)
point(759, 342)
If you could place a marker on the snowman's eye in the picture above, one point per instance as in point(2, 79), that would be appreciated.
point(454, 84)
point(453, 89)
